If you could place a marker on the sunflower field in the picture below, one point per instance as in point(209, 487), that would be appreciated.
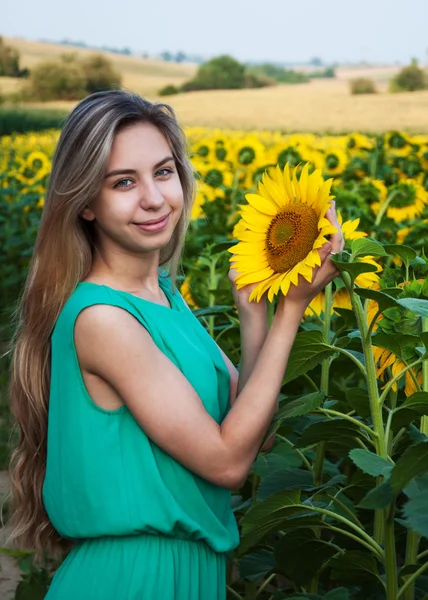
point(338, 508)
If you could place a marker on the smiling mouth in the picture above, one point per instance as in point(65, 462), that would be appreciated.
point(155, 225)
point(154, 222)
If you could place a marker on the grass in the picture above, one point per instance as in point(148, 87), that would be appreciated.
point(321, 106)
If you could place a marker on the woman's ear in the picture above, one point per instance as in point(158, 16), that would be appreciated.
point(87, 214)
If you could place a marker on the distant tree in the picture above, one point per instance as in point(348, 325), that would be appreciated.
point(61, 79)
point(180, 57)
point(72, 78)
point(169, 90)
point(9, 61)
point(220, 73)
point(327, 73)
point(409, 79)
point(362, 85)
point(166, 55)
point(316, 62)
point(279, 74)
point(99, 74)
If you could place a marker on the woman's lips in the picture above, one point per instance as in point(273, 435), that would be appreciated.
point(157, 225)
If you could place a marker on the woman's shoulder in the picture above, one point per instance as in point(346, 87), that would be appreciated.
point(84, 295)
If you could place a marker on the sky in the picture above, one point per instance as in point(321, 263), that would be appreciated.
point(376, 31)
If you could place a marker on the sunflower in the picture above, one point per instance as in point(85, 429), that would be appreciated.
point(186, 292)
point(341, 298)
point(349, 228)
point(384, 359)
point(408, 201)
point(335, 161)
point(285, 226)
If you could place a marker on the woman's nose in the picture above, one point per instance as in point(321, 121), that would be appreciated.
point(151, 197)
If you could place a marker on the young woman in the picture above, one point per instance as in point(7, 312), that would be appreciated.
point(134, 426)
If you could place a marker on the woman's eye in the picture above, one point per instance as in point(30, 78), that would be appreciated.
point(123, 183)
point(163, 172)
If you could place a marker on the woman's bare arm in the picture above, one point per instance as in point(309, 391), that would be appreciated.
point(112, 345)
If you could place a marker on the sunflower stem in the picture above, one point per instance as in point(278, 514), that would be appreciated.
point(375, 405)
point(325, 368)
point(384, 207)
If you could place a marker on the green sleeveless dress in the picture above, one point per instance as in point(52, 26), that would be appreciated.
point(146, 528)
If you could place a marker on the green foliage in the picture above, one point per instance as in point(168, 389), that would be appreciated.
point(339, 497)
point(18, 120)
point(223, 73)
point(71, 78)
point(327, 73)
point(9, 61)
point(409, 79)
point(99, 74)
point(220, 73)
point(278, 74)
point(362, 85)
point(169, 90)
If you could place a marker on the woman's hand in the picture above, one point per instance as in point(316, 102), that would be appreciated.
point(303, 293)
point(241, 297)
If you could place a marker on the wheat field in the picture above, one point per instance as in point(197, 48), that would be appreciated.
point(319, 106)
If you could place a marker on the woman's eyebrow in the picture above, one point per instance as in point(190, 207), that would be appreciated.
point(133, 171)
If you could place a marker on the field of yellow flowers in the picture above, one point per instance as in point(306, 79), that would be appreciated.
point(344, 481)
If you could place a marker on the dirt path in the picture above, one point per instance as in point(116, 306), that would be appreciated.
point(9, 571)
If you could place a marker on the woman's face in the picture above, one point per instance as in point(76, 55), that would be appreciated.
point(141, 199)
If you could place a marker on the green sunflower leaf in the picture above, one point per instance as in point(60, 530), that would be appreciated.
point(414, 406)
point(256, 565)
point(354, 566)
point(367, 247)
point(358, 398)
point(353, 268)
point(300, 406)
point(406, 253)
point(416, 514)
point(287, 479)
point(416, 305)
point(413, 463)
point(211, 310)
point(379, 497)
point(370, 463)
point(394, 342)
point(308, 351)
point(384, 301)
point(336, 432)
point(292, 550)
point(269, 515)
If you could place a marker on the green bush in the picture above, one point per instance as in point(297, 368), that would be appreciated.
point(362, 85)
point(99, 74)
point(14, 120)
point(9, 62)
point(278, 74)
point(72, 78)
point(220, 73)
point(61, 79)
point(409, 79)
point(253, 81)
point(169, 90)
point(327, 73)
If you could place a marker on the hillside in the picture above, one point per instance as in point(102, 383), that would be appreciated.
point(144, 76)
point(318, 106)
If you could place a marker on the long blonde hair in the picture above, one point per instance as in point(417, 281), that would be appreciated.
point(62, 258)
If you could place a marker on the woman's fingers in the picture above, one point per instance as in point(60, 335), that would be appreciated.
point(336, 239)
